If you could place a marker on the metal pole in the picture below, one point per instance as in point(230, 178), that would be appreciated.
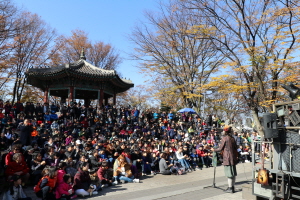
point(214, 183)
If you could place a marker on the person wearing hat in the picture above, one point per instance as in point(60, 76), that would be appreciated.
point(230, 157)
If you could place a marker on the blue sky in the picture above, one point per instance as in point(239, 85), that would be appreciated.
point(109, 21)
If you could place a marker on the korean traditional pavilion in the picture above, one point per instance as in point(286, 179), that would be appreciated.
point(78, 80)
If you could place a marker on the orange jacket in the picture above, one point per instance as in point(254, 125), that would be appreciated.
point(51, 183)
point(34, 133)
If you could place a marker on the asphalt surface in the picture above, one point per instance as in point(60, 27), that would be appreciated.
point(193, 185)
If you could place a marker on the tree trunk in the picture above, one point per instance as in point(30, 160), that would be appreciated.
point(21, 89)
point(14, 91)
point(257, 122)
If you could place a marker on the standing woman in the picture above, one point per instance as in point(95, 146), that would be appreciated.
point(230, 157)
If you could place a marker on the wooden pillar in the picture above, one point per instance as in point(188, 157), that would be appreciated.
point(101, 98)
point(115, 99)
point(71, 94)
point(46, 95)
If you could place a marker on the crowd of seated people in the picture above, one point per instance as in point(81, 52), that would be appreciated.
point(70, 151)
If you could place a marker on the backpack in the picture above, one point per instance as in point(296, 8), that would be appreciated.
point(177, 169)
point(179, 172)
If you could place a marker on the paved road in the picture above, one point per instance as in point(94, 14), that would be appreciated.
point(194, 185)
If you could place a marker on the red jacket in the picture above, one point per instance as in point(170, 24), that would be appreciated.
point(14, 167)
point(82, 180)
point(84, 123)
point(62, 188)
point(101, 172)
point(8, 158)
point(201, 153)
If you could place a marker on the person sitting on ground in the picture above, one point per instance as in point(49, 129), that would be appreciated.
point(182, 159)
point(70, 169)
point(94, 179)
point(64, 189)
point(18, 167)
point(94, 159)
point(37, 166)
point(203, 157)
point(82, 181)
point(15, 190)
point(117, 162)
point(44, 188)
point(61, 171)
point(163, 167)
point(154, 163)
point(103, 174)
point(123, 172)
point(15, 149)
point(146, 163)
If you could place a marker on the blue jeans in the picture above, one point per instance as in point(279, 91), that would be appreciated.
point(146, 168)
point(120, 177)
point(205, 160)
point(184, 163)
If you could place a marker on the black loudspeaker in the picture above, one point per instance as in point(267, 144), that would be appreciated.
point(270, 125)
point(293, 90)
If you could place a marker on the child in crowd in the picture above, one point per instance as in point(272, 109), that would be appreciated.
point(146, 163)
point(94, 179)
point(103, 175)
point(64, 188)
point(61, 171)
point(15, 190)
point(44, 188)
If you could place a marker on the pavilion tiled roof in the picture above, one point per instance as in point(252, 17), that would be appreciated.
point(78, 71)
point(81, 67)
